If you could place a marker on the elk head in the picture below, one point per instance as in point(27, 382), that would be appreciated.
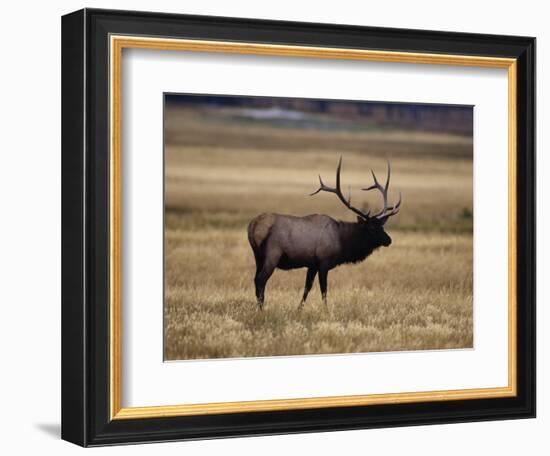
point(373, 225)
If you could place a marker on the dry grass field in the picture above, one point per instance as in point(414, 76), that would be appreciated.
point(220, 172)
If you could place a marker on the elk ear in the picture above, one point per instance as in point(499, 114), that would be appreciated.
point(361, 220)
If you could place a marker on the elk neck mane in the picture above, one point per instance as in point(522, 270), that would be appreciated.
point(356, 244)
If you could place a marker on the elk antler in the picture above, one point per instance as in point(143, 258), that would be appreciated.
point(386, 211)
point(338, 192)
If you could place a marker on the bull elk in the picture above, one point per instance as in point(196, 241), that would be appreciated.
point(318, 242)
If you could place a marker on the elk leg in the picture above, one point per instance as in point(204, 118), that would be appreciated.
point(310, 277)
point(259, 261)
point(323, 274)
point(263, 276)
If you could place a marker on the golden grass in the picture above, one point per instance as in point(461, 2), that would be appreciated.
point(414, 295)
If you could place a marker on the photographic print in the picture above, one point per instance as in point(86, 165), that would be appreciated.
point(313, 226)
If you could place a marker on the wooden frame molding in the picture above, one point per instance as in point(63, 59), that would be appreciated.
point(116, 46)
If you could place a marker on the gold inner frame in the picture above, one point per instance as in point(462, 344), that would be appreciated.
point(117, 44)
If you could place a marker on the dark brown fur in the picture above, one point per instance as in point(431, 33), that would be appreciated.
point(316, 242)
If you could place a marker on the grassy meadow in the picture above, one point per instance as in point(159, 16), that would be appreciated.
point(222, 170)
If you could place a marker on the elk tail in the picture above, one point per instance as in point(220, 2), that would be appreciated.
point(258, 231)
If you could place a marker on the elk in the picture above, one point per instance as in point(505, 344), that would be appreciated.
point(318, 242)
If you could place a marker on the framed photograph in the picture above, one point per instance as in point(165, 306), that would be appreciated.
point(276, 227)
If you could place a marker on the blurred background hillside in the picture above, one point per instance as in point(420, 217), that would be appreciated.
point(305, 112)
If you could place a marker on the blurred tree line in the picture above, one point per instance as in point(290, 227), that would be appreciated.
point(456, 119)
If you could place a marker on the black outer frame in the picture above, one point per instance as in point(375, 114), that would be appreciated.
point(85, 227)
